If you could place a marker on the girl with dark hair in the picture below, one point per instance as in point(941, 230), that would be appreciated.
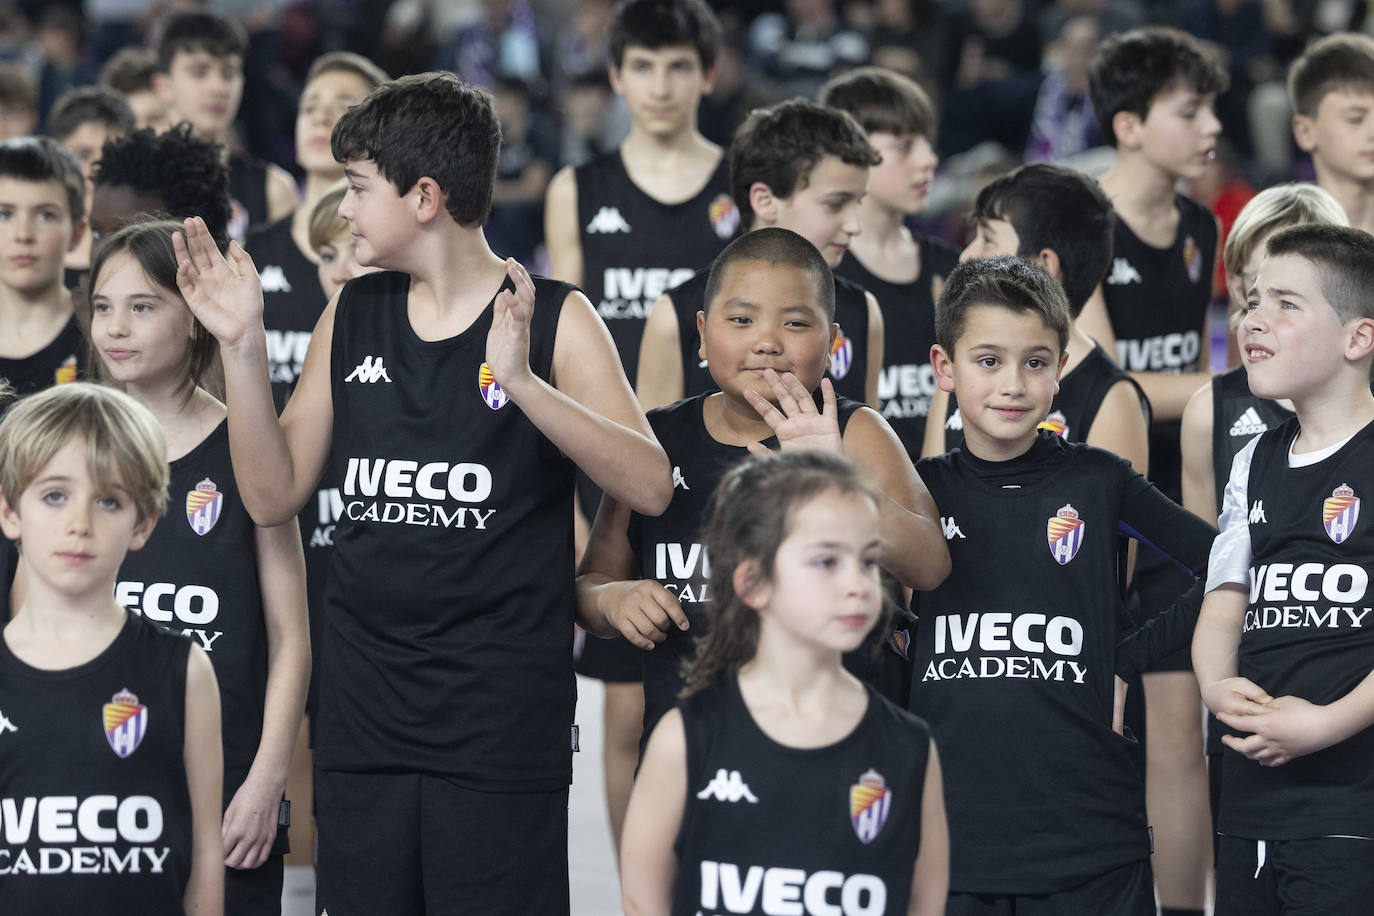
point(780, 776)
point(208, 571)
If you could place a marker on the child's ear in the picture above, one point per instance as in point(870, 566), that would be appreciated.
point(142, 531)
point(1048, 258)
point(708, 82)
point(78, 232)
point(1360, 344)
point(9, 518)
point(1058, 373)
point(1126, 125)
point(701, 334)
point(764, 204)
point(750, 586)
point(943, 364)
point(429, 199)
point(613, 74)
point(1304, 132)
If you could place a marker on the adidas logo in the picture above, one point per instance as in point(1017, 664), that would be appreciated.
point(678, 479)
point(1257, 513)
point(1123, 273)
point(955, 421)
point(368, 371)
point(728, 787)
point(273, 280)
point(608, 220)
point(951, 528)
point(1249, 424)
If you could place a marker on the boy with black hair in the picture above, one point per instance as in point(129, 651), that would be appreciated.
point(1014, 670)
point(904, 272)
point(130, 72)
point(1331, 90)
point(804, 167)
point(1059, 219)
point(446, 693)
point(1280, 649)
point(1153, 90)
point(200, 80)
point(82, 120)
point(42, 217)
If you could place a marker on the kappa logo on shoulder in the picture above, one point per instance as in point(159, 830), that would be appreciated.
point(728, 786)
point(1257, 513)
point(368, 371)
point(273, 279)
point(1123, 273)
point(678, 479)
point(951, 528)
point(607, 221)
point(955, 421)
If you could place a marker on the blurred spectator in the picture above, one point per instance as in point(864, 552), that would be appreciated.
point(60, 41)
point(992, 76)
point(504, 42)
point(732, 98)
point(130, 71)
point(1063, 123)
point(911, 37)
point(18, 101)
point(516, 225)
point(799, 50)
point(1237, 29)
point(581, 46)
point(1111, 15)
point(586, 108)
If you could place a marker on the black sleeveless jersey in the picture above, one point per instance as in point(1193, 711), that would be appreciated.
point(198, 576)
point(1237, 417)
point(93, 793)
point(907, 382)
point(636, 248)
point(449, 604)
point(318, 519)
point(668, 547)
point(1014, 658)
point(1307, 633)
point(61, 360)
point(848, 356)
point(247, 194)
point(1075, 405)
point(292, 302)
point(767, 827)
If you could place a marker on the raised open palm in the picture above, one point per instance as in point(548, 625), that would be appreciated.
point(224, 295)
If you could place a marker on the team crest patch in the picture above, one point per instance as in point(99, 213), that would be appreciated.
point(126, 722)
point(841, 356)
point(869, 801)
point(724, 215)
point(66, 373)
point(1192, 259)
point(1066, 534)
point(1056, 423)
point(899, 641)
point(203, 505)
point(1340, 511)
point(490, 388)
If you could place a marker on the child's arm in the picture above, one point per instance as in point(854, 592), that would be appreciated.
point(1169, 392)
point(204, 761)
point(610, 598)
point(877, 340)
point(1120, 426)
point(588, 412)
point(648, 864)
point(561, 231)
point(1216, 643)
point(913, 545)
point(276, 464)
point(930, 877)
point(658, 381)
point(250, 821)
point(933, 442)
point(1287, 727)
point(1199, 480)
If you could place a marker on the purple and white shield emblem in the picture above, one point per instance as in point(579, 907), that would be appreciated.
point(841, 356)
point(869, 802)
point(126, 722)
point(203, 505)
point(1065, 534)
point(1340, 511)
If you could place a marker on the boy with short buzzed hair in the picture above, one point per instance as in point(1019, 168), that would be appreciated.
point(1282, 649)
point(456, 395)
point(904, 272)
point(42, 217)
point(82, 120)
point(1331, 90)
point(1015, 670)
point(801, 166)
point(200, 80)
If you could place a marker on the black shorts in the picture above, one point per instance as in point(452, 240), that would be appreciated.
point(1127, 890)
point(616, 660)
point(1153, 591)
point(254, 891)
point(418, 845)
point(1324, 876)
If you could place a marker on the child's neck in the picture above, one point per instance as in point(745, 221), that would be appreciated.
point(453, 275)
point(1143, 196)
point(799, 695)
point(730, 420)
point(30, 319)
point(1355, 197)
point(1334, 414)
point(886, 246)
point(185, 419)
point(665, 152)
point(53, 631)
point(996, 451)
point(316, 186)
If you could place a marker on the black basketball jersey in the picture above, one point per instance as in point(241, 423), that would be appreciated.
point(767, 827)
point(95, 807)
point(907, 382)
point(1014, 658)
point(1075, 405)
point(1237, 417)
point(198, 576)
point(247, 194)
point(848, 356)
point(62, 360)
point(668, 546)
point(1307, 633)
point(317, 519)
point(449, 604)
point(636, 248)
point(292, 302)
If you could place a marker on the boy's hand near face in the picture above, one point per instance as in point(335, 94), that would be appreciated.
point(795, 421)
point(224, 295)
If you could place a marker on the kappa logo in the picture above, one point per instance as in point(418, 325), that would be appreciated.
point(951, 528)
point(126, 723)
point(1123, 273)
point(368, 371)
point(203, 505)
point(955, 421)
point(728, 786)
point(607, 220)
point(678, 479)
point(1340, 511)
point(1065, 532)
point(273, 279)
point(1248, 424)
point(6, 725)
point(1257, 513)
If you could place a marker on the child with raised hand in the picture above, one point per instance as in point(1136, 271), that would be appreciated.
point(457, 394)
point(767, 333)
point(207, 571)
point(780, 778)
point(111, 726)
